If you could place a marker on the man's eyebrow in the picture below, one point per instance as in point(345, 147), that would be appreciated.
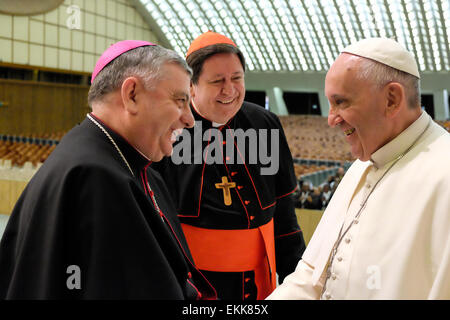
point(234, 73)
point(180, 94)
point(338, 97)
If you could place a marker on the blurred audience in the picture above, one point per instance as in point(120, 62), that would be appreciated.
point(317, 197)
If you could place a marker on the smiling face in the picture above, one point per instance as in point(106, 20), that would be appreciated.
point(356, 106)
point(163, 111)
point(220, 90)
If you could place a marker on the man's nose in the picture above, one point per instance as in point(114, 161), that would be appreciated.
point(227, 88)
point(187, 118)
point(333, 117)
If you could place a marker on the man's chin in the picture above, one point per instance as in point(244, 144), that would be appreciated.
point(157, 159)
point(168, 152)
point(158, 156)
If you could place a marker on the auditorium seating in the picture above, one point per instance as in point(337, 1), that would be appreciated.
point(310, 137)
point(21, 150)
point(302, 169)
point(445, 124)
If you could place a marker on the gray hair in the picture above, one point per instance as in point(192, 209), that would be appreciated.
point(142, 62)
point(380, 75)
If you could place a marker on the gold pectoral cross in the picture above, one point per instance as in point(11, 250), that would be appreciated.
point(226, 186)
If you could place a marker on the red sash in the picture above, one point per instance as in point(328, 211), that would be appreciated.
point(236, 251)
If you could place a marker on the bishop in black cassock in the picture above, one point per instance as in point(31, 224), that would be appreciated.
point(95, 222)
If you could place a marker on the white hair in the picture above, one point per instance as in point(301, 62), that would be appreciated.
point(380, 75)
point(143, 62)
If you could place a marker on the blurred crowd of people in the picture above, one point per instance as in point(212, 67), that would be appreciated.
point(317, 197)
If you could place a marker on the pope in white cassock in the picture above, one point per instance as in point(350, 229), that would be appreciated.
point(386, 232)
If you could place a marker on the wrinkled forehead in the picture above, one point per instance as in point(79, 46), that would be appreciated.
point(343, 71)
point(344, 64)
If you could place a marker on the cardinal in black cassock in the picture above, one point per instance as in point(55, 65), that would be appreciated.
point(235, 206)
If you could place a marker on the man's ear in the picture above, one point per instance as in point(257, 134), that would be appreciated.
point(128, 93)
point(395, 98)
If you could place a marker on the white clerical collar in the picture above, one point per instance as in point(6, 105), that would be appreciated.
point(399, 144)
point(214, 124)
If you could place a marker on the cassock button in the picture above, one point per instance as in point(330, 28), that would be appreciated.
point(327, 296)
point(246, 202)
point(252, 217)
point(240, 187)
point(247, 295)
point(247, 279)
point(347, 240)
point(189, 275)
point(233, 173)
point(339, 259)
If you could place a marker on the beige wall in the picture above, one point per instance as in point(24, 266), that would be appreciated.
point(10, 192)
point(12, 183)
point(40, 108)
point(45, 40)
point(308, 221)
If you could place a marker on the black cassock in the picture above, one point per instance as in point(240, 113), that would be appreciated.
point(253, 199)
point(86, 228)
